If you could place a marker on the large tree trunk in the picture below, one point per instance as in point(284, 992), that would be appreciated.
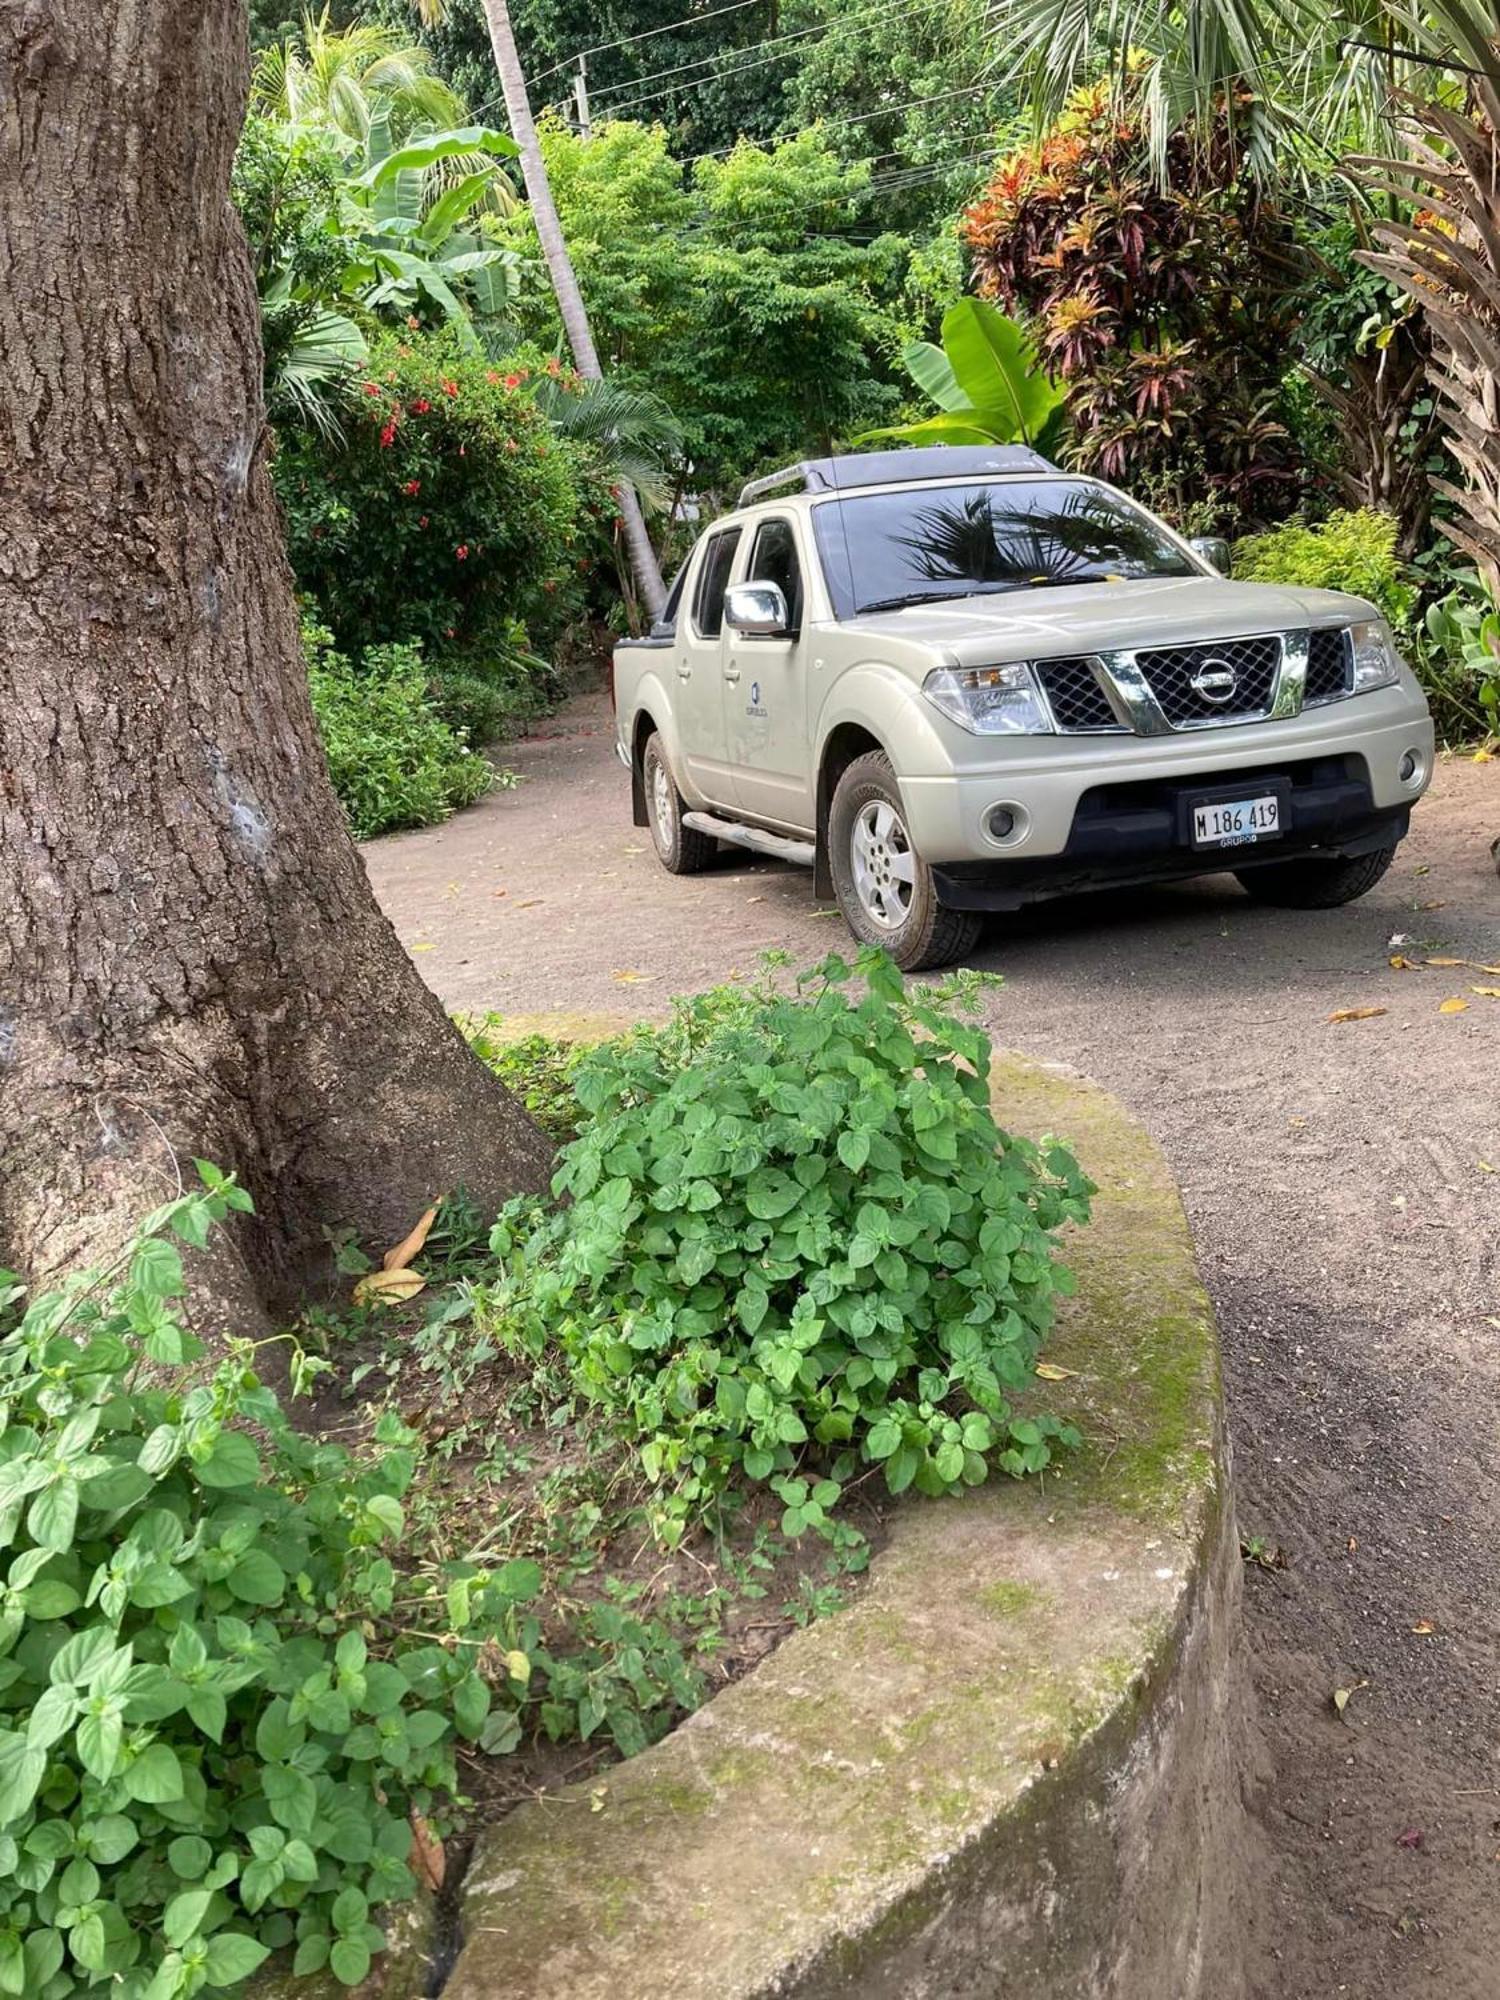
point(191, 961)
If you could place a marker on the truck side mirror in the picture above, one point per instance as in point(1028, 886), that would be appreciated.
point(1214, 551)
point(758, 610)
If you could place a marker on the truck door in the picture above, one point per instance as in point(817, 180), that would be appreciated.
point(699, 662)
point(765, 690)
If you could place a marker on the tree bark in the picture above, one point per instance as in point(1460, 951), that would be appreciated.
point(570, 304)
point(191, 960)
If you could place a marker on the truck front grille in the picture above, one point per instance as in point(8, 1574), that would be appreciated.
point(1327, 665)
point(1171, 670)
point(1078, 701)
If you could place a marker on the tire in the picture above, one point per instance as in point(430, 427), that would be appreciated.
point(1316, 885)
point(884, 888)
point(680, 849)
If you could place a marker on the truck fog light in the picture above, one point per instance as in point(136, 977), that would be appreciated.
point(1410, 769)
point(1005, 824)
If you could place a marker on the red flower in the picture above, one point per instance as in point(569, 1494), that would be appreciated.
point(413, 487)
point(513, 381)
point(462, 551)
point(450, 388)
point(388, 435)
point(421, 406)
point(423, 522)
point(492, 375)
point(372, 388)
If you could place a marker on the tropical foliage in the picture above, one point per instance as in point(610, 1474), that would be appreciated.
point(447, 512)
point(1353, 551)
point(1163, 306)
point(987, 382)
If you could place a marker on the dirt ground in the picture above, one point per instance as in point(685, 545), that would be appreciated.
point(1343, 1182)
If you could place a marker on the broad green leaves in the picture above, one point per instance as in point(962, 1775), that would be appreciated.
point(188, 1630)
point(797, 1242)
point(987, 381)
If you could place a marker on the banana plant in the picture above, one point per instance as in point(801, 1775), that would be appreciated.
point(987, 381)
point(414, 246)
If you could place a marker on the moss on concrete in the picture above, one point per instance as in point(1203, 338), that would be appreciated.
point(978, 1703)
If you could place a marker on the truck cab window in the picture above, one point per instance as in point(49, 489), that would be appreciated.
point(774, 560)
point(713, 580)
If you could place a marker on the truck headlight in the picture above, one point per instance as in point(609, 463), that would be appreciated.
point(1374, 650)
point(989, 701)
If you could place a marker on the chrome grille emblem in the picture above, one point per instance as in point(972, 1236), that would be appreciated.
point(1216, 682)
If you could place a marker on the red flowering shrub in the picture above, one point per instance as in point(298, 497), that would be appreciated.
point(1167, 308)
point(449, 514)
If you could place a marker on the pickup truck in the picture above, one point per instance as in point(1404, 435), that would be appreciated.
point(956, 680)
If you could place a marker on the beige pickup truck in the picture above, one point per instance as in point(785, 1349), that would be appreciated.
point(957, 680)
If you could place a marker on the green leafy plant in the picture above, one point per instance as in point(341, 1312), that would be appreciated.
point(1354, 550)
point(450, 513)
point(796, 1244)
point(394, 761)
point(211, 1729)
point(988, 384)
point(1458, 658)
point(536, 1068)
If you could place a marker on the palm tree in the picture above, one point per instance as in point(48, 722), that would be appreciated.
point(345, 77)
point(1290, 74)
point(1447, 255)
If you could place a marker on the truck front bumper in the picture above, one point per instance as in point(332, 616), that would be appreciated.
point(1092, 811)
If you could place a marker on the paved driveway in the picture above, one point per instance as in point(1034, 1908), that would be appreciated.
point(1339, 1182)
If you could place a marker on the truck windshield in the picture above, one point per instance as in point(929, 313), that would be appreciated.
point(884, 550)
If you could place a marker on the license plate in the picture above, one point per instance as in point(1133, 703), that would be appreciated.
point(1236, 822)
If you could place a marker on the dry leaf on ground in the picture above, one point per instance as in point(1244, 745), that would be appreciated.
point(1357, 1013)
point(1486, 992)
point(1050, 1372)
point(628, 978)
point(407, 1248)
point(1456, 1005)
point(1341, 1696)
point(1424, 1628)
point(388, 1287)
point(1400, 963)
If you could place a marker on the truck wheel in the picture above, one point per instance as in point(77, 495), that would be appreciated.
point(1314, 884)
point(884, 887)
point(680, 849)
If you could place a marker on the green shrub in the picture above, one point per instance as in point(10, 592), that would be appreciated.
point(1354, 550)
point(1457, 657)
point(491, 698)
point(214, 1728)
point(795, 1243)
point(393, 759)
point(449, 512)
point(537, 1069)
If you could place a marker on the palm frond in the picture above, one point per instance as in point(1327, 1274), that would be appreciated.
point(313, 373)
point(634, 433)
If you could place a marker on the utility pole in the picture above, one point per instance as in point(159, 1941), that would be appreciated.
point(581, 98)
point(564, 280)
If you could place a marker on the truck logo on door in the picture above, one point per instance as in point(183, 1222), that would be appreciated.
point(753, 706)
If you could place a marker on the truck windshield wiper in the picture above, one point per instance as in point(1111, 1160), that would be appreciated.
point(940, 596)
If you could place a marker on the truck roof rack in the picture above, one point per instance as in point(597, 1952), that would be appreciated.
point(896, 468)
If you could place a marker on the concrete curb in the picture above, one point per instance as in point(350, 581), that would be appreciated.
point(1010, 1768)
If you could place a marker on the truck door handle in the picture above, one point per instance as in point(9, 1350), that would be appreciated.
point(731, 673)
point(684, 672)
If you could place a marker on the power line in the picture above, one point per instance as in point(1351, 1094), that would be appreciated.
point(688, 21)
point(619, 102)
point(864, 118)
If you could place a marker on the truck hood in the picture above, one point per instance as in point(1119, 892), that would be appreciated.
point(1097, 617)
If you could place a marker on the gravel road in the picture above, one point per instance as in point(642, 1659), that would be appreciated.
point(1343, 1182)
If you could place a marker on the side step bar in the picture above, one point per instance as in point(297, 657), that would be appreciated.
point(781, 845)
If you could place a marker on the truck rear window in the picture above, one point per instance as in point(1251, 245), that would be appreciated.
point(884, 550)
